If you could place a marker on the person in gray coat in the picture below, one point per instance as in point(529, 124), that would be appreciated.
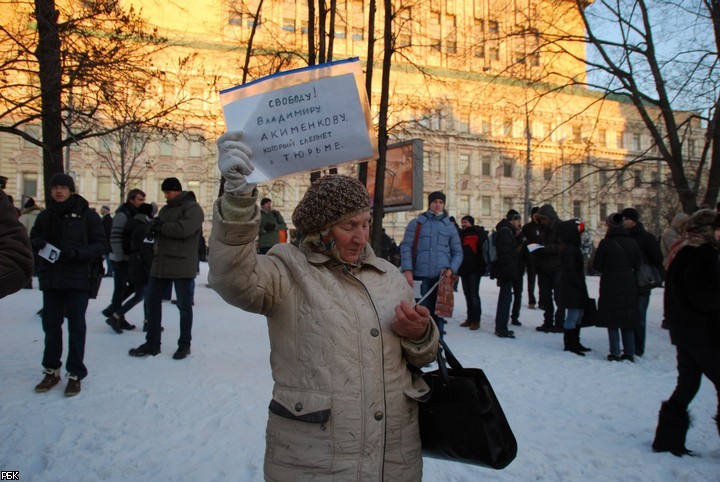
point(176, 231)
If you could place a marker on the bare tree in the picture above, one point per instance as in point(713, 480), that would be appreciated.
point(72, 71)
point(662, 58)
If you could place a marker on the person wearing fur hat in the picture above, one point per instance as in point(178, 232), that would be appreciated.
point(692, 308)
point(431, 248)
point(76, 231)
point(650, 252)
point(616, 259)
point(342, 325)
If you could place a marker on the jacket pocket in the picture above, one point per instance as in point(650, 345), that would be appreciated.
point(299, 431)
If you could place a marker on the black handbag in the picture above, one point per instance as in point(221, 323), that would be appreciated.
point(590, 313)
point(462, 420)
point(648, 277)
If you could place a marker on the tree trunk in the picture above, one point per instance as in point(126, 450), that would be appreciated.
point(379, 198)
point(48, 55)
point(372, 9)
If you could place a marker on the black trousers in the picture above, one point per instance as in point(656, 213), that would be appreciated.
point(55, 304)
point(693, 361)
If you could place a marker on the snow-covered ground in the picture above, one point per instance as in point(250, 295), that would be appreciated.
point(203, 418)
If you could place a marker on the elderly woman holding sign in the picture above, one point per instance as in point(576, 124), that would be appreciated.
point(342, 326)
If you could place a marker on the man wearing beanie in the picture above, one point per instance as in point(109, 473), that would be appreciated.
point(507, 270)
point(342, 329)
point(122, 288)
point(70, 226)
point(430, 248)
point(651, 254)
point(176, 231)
point(271, 223)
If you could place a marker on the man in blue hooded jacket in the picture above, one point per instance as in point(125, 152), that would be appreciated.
point(430, 248)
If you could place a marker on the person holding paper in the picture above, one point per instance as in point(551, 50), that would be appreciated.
point(342, 325)
point(75, 235)
point(430, 248)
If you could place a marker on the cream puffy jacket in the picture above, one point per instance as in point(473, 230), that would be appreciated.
point(344, 402)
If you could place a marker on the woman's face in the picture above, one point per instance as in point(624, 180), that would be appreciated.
point(716, 232)
point(351, 236)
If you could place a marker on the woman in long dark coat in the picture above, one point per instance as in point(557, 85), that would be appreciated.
point(692, 310)
point(617, 258)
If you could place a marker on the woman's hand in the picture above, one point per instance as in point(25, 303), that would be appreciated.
point(411, 322)
point(234, 162)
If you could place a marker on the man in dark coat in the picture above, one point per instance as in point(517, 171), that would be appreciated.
point(547, 263)
point(176, 231)
point(506, 269)
point(69, 226)
point(16, 258)
point(617, 258)
point(692, 309)
point(472, 268)
point(651, 253)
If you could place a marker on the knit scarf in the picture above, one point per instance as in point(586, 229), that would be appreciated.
point(693, 239)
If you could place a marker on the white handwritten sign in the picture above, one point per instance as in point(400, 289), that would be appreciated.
point(303, 120)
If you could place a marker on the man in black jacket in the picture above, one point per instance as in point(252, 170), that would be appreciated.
point(547, 262)
point(506, 269)
point(650, 251)
point(472, 268)
point(70, 227)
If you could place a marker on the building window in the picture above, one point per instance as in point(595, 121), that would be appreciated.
point(166, 148)
point(32, 131)
point(577, 134)
point(577, 209)
point(507, 204)
point(288, 24)
point(464, 163)
point(603, 211)
point(234, 18)
point(691, 148)
point(486, 206)
point(195, 146)
point(547, 173)
point(340, 31)
point(638, 178)
point(637, 142)
point(487, 127)
point(621, 140)
point(29, 184)
point(358, 34)
point(603, 178)
point(494, 53)
point(451, 47)
point(577, 172)
point(508, 128)
point(602, 138)
point(494, 27)
point(103, 188)
point(194, 186)
point(486, 166)
point(507, 168)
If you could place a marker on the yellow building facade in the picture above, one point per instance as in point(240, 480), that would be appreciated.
point(472, 82)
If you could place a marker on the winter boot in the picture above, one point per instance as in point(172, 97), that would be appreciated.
point(577, 338)
point(475, 325)
point(52, 378)
point(114, 323)
point(466, 323)
point(571, 344)
point(673, 424)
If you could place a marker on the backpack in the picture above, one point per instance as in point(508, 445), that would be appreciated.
point(489, 250)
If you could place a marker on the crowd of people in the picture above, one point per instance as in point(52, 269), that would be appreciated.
point(345, 324)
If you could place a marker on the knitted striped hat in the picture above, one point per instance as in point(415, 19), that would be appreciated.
point(328, 201)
